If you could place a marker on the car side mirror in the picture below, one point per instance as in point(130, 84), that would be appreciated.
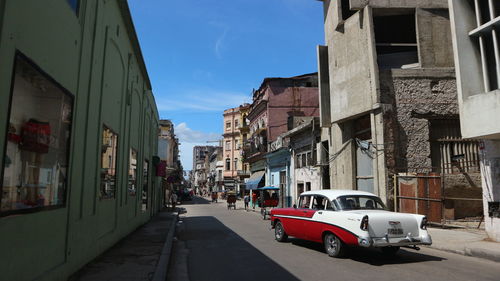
point(295, 206)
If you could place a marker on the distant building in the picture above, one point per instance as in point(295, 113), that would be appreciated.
point(235, 133)
point(168, 152)
point(201, 167)
point(216, 166)
point(275, 105)
point(477, 62)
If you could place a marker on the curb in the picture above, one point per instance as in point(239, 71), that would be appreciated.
point(471, 252)
point(162, 265)
point(483, 254)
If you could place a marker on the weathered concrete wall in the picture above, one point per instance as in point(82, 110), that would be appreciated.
point(358, 4)
point(411, 92)
point(490, 166)
point(476, 106)
point(283, 101)
point(434, 38)
point(466, 185)
point(342, 166)
point(407, 146)
point(351, 63)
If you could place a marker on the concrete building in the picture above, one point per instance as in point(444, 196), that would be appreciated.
point(477, 59)
point(278, 169)
point(305, 146)
point(274, 105)
point(216, 168)
point(295, 161)
point(78, 131)
point(388, 103)
point(234, 169)
point(168, 152)
point(201, 168)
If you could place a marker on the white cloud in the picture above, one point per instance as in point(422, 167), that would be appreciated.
point(186, 151)
point(219, 44)
point(190, 138)
point(200, 100)
point(186, 134)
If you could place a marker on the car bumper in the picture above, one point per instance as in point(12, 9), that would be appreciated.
point(394, 241)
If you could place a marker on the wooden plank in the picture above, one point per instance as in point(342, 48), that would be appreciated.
point(435, 192)
point(407, 187)
point(422, 193)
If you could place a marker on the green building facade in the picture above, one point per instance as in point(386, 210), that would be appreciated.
point(78, 135)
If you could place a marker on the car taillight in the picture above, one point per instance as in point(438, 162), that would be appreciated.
point(423, 224)
point(364, 223)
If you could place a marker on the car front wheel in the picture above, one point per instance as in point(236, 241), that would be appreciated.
point(279, 232)
point(334, 247)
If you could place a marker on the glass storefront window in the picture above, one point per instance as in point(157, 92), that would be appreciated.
point(145, 186)
point(36, 157)
point(132, 174)
point(108, 162)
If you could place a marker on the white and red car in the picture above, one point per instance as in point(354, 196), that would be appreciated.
point(338, 218)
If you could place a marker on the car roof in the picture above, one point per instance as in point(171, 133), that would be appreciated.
point(334, 193)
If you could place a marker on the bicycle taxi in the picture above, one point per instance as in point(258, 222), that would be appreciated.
point(231, 199)
point(269, 198)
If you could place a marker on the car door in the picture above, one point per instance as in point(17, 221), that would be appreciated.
point(295, 224)
point(314, 228)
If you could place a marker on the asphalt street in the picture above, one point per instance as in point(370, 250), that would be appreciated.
point(214, 243)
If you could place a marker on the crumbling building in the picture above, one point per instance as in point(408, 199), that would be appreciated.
point(389, 106)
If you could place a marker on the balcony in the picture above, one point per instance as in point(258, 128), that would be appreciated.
point(241, 173)
point(251, 149)
point(244, 128)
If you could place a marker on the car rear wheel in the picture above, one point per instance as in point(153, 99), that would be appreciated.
point(390, 250)
point(279, 232)
point(334, 247)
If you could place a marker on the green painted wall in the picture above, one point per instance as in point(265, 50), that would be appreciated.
point(91, 54)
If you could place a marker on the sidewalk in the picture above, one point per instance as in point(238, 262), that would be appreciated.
point(142, 255)
point(468, 242)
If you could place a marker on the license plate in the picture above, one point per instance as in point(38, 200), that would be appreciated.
point(395, 231)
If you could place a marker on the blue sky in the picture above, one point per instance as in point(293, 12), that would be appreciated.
point(204, 56)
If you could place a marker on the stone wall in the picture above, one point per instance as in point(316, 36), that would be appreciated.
point(414, 98)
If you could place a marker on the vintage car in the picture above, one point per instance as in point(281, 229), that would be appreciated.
point(339, 218)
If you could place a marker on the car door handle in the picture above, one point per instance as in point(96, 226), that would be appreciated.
point(320, 213)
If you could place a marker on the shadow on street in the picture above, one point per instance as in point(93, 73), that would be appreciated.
point(196, 201)
point(372, 256)
point(218, 253)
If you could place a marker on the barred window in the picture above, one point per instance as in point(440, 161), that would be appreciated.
point(486, 36)
point(450, 153)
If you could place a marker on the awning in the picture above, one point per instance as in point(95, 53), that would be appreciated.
point(269, 188)
point(254, 180)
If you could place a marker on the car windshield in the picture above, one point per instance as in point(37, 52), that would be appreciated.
point(359, 202)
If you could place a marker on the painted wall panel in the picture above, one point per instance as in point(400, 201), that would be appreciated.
point(94, 67)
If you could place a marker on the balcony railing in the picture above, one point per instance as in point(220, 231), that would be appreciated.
point(243, 173)
point(250, 149)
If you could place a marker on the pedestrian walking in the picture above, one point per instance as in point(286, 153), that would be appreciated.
point(254, 199)
point(174, 200)
point(246, 199)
